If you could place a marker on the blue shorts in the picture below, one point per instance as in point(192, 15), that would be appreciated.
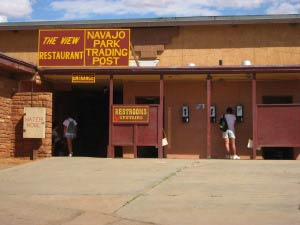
point(70, 136)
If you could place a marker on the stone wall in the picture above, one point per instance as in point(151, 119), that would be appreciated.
point(6, 127)
point(34, 148)
point(7, 88)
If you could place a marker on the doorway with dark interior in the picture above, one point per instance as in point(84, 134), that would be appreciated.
point(278, 153)
point(90, 109)
point(147, 151)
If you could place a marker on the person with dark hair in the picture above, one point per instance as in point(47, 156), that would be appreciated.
point(58, 145)
point(55, 139)
point(70, 133)
point(229, 134)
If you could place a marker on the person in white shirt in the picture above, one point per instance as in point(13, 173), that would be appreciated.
point(70, 132)
point(229, 134)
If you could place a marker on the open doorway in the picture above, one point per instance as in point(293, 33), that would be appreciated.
point(278, 153)
point(90, 110)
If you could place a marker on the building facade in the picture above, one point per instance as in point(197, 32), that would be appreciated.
point(185, 67)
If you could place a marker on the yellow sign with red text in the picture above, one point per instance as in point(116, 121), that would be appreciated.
point(130, 114)
point(84, 48)
point(83, 78)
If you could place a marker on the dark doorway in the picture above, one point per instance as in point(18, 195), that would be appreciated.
point(277, 99)
point(90, 110)
point(147, 151)
point(278, 153)
point(93, 124)
point(147, 100)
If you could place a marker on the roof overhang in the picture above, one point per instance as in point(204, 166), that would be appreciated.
point(154, 22)
point(16, 68)
point(176, 70)
point(19, 70)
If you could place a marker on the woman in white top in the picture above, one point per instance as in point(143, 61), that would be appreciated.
point(229, 134)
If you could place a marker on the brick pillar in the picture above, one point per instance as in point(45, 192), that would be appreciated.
point(36, 148)
point(6, 127)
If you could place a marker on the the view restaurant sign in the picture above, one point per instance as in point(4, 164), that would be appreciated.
point(84, 48)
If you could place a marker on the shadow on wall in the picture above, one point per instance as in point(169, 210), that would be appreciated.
point(25, 147)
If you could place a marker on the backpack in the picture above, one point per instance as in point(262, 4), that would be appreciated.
point(223, 124)
point(72, 129)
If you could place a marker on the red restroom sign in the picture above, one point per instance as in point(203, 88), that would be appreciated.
point(84, 48)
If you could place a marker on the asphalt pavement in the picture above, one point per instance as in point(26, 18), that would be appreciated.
point(86, 191)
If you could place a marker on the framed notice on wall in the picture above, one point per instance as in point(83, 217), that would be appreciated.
point(34, 123)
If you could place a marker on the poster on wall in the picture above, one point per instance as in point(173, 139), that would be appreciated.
point(34, 122)
point(84, 48)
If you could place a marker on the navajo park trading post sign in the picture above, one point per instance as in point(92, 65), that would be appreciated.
point(130, 114)
point(84, 48)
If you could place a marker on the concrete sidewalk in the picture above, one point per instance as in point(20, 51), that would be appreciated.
point(84, 191)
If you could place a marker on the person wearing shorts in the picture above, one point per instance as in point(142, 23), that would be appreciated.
point(70, 133)
point(229, 134)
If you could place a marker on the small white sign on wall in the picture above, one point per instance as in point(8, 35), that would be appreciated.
point(34, 125)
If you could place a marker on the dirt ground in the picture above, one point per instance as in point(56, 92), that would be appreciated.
point(9, 162)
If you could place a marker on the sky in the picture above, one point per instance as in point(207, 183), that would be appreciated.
point(50, 10)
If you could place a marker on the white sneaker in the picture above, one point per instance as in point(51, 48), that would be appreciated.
point(236, 157)
point(71, 154)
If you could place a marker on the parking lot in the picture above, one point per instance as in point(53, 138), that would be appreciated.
point(80, 190)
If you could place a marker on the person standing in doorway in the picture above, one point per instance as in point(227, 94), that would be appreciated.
point(70, 133)
point(229, 134)
point(55, 139)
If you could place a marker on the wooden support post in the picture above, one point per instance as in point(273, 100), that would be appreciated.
point(254, 117)
point(110, 148)
point(134, 55)
point(135, 135)
point(208, 103)
point(160, 116)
